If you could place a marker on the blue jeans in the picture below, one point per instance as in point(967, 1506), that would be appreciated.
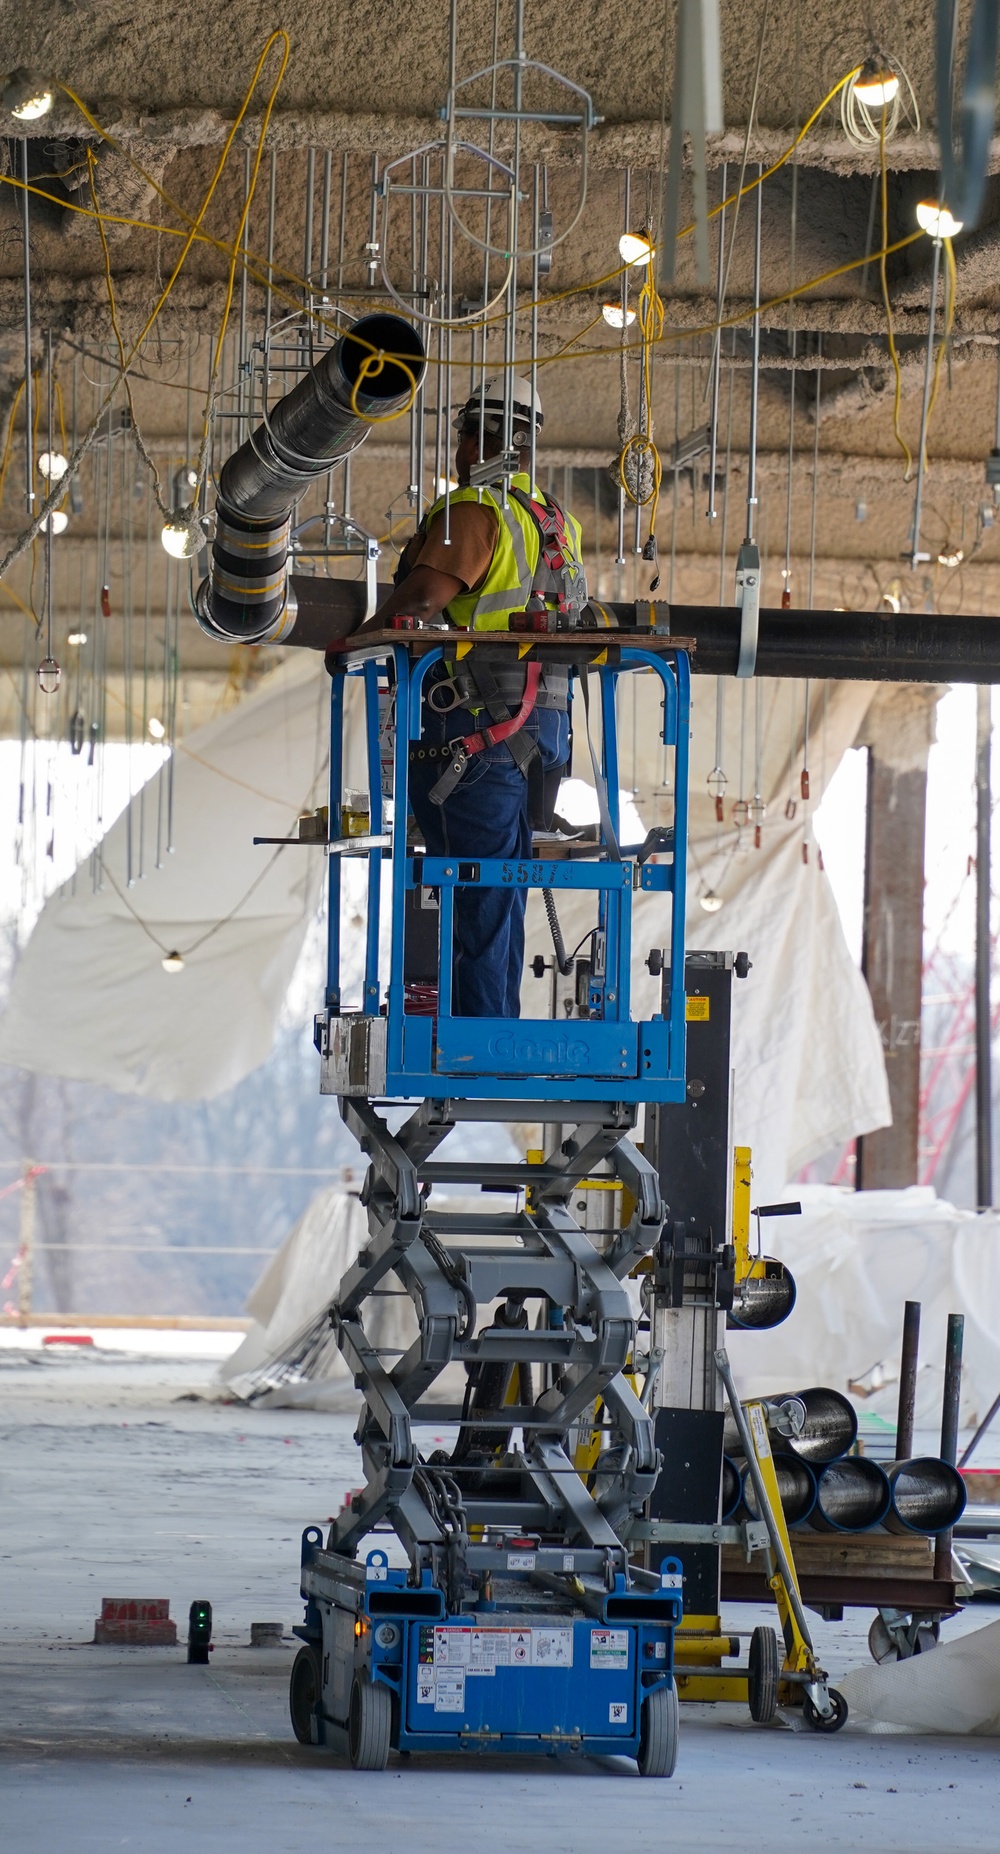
point(486, 815)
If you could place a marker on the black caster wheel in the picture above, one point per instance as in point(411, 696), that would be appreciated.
point(303, 1692)
point(763, 1674)
point(833, 1721)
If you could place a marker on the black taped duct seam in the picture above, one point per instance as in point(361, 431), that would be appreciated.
point(246, 598)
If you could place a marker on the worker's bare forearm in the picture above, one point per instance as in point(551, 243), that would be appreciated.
point(423, 594)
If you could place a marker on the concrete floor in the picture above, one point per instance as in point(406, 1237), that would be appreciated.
point(111, 1486)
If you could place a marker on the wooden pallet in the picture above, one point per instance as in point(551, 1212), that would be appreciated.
point(863, 1570)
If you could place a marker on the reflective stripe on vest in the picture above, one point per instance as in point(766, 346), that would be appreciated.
point(508, 584)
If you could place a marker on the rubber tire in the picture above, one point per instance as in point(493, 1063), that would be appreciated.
point(369, 1728)
point(658, 1733)
point(763, 1674)
point(816, 1721)
point(303, 1692)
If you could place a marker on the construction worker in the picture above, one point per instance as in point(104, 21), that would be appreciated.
point(481, 798)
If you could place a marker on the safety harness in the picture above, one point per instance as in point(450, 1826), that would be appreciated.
point(558, 591)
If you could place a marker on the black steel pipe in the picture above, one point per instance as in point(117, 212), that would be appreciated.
point(830, 1428)
point(796, 1489)
point(850, 646)
point(908, 1379)
point(846, 646)
point(373, 370)
point(928, 1496)
point(851, 1496)
point(950, 1399)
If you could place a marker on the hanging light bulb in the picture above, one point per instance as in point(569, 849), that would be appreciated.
point(172, 962)
point(935, 219)
point(157, 731)
point(635, 249)
point(52, 465)
point(180, 535)
point(49, 675)
point(77, 639)
point(710, 901)
point(185, 479)
point(26, 95)
point(617, 317)
point(58, 519)
point(877, 85)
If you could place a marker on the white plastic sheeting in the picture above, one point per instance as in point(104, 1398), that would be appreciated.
point(90, 999)
point(856, 1257)
point(298, 1283)
point(955, 1689)
point(807, 1055)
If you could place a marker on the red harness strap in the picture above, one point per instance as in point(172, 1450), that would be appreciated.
point(501, 730)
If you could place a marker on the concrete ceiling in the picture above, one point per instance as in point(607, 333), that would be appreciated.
point(166, 82)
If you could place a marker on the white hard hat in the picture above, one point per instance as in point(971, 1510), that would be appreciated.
point(490, 400)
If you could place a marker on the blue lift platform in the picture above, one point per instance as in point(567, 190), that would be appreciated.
point(507, 1613)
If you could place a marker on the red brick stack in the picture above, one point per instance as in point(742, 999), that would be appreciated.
point(135, 1622)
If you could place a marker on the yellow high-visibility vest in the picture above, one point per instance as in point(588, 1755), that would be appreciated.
point(508, 584)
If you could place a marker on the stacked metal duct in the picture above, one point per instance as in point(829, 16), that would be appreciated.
point(824, 1487)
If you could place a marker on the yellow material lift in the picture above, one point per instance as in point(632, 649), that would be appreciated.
point(700, 1645)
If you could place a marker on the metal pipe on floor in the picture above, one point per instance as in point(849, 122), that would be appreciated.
point(851, 1496)
point(928, 1496)
point(796, 1489)
point(830, 1427)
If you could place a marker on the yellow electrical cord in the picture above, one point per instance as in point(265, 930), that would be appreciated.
point(371, 366)
point(898, 391)
point(262, 274)
point(773, 302)
point(26, 609)
point(759, 179)
point(258, 267)
point(950, 284)
point(18, 396)
point(113, 308)
point(62, 414)
point(258, 270)
point(244, 216)
point(275, 37)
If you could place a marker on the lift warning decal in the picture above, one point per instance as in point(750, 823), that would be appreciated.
point(609, 1649)
point(482, 1651)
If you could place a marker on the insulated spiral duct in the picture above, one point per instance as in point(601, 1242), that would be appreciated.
point(372, 371)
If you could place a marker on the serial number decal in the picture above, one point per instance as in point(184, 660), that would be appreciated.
point(527, 875)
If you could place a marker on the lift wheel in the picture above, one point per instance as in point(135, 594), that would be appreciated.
point(763, 1675)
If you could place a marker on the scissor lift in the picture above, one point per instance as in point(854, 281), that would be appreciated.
point(518, 1621)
